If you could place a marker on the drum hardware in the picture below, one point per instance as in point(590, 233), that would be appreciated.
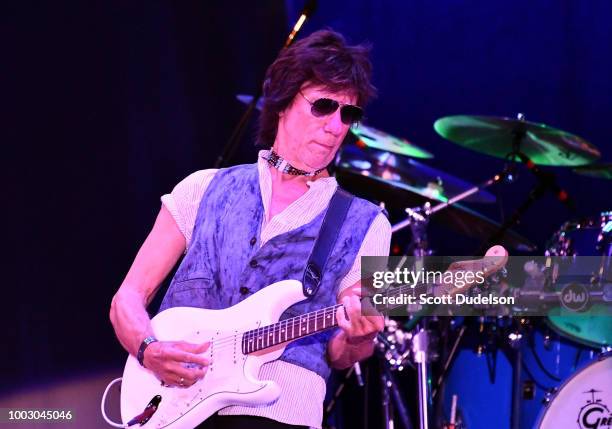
point(392, 396)
point(528, 390)
point(393, 350)
point(488, 344)
point(402, 183)
point(546, 181)
point(394, 345)
point(447, 363)
point(516, 338)
point(515, 140)
point(421, 214)
point(420, 347)
point(417, 219)
point(401, 172)
point(549, 395)
point(454, 422)
point(332, 403)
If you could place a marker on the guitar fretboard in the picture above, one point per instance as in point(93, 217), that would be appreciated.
point(289, 329)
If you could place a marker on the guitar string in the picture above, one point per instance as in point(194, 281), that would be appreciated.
point(319, 315)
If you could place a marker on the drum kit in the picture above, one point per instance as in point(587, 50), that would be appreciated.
point(553, 362)
point(500, 371)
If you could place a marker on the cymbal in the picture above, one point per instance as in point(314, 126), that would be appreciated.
point(408, 174)
point(495, 136)
point(381, 140)
point(368, 182)
point(599, 171)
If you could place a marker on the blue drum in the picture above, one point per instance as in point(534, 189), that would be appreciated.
point(482, 376)
point(587, 237)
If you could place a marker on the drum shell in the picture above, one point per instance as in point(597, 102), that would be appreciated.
point(484, 403)
point(588, 389)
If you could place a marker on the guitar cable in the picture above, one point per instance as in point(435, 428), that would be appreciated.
point(108, 420)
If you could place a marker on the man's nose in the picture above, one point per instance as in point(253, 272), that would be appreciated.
point(334, 123)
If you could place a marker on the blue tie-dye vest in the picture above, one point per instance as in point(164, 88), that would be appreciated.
point(225, 264)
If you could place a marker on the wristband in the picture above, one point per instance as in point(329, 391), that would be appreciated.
point(143, 346)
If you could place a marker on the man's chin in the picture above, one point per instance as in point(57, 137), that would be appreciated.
point(316, 166)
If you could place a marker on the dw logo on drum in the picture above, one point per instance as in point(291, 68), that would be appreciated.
point(595, 414)
point(575, 297)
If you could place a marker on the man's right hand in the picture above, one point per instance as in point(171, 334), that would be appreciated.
point(177, 363)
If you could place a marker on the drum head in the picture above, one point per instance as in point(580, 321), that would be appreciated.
point(587, 237)
point(592, 329)
point(584, 401)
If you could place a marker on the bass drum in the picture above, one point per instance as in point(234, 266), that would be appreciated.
point(483, 381)
point(588, 237)
point(584, 401)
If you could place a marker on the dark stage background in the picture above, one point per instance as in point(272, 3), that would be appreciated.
point(107, 104)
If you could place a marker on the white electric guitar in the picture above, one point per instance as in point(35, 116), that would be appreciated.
point(242, 338)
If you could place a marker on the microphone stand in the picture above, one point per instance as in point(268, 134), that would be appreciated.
point(231, 145)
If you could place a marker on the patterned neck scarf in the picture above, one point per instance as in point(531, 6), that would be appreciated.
point(283, 166)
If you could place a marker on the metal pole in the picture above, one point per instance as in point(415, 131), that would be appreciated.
point(419, 348)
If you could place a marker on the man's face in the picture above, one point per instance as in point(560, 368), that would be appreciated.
point(307, 141)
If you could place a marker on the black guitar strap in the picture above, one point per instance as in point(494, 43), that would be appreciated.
point(328, 235)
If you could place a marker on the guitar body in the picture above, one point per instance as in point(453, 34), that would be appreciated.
point(231, 378)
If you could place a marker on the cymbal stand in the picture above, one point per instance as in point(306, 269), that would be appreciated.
point(421, 214)
point(417, 219)
point(546, 182)
point(420, 346)
point(392, 401)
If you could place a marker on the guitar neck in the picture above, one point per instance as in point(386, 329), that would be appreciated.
point(289, 329)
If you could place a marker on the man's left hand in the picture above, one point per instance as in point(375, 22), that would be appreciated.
point(362, 323)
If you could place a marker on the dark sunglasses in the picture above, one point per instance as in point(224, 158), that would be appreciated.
point(349, 114)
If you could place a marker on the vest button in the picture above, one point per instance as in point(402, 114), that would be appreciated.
point(244, 290)
point(253, 241)
point(253, 263)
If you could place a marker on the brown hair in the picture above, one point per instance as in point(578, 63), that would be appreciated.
point(322, 58)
